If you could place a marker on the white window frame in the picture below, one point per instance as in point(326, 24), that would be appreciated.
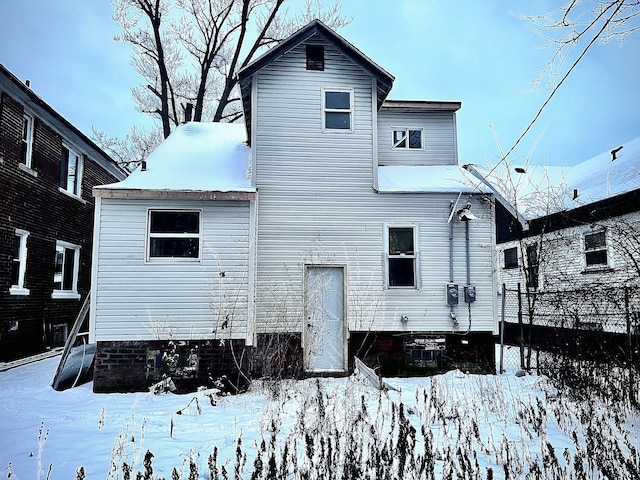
point(415, 256)
point(28, 141)
point(77, 190)
point(19, 288)
point(407, 130)
point(605, 248)
point(147, 255)
point(73, 292)
point(326, 110)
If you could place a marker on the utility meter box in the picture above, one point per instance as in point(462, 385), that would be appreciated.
point(469, 294)
point(452, 294)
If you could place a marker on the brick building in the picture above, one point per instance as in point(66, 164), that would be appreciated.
point(47, 171)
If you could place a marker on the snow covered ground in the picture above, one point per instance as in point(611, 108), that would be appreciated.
point(451, 423)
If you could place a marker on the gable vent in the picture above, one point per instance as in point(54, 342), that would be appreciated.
point(315, 57)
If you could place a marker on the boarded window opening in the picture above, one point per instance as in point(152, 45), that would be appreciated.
point(315, 57)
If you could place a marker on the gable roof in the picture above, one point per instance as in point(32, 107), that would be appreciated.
point(316, 27)
point(29, 99)
point(545, 190)
point(205, 161)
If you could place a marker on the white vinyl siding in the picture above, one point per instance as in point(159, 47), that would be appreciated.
point(438, 130)
point(143, 300)
point(317, 207)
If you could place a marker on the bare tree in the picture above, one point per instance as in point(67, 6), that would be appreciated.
point(189, 52)
point(577, 25)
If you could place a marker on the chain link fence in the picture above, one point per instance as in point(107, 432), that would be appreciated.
point(584, 339)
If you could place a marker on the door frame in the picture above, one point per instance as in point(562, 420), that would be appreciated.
point(345, 323)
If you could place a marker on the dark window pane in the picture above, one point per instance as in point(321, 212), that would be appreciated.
point(175, 222)
point(532, 255)
point(15, 272)
point(532, 277)
point(511, 258)
point(16, 246)
point(64, 167)
point(598, 257)
point(57, 276)
point(400, 241)
point(67, 274)
point(337, 100)
point(399, 139)
point(338, 120)
point(175, 247)
point(315, 57)
point(415, 138)
point(595, 240)
point(401, 272)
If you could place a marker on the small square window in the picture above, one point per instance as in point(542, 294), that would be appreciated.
point(174, 234)
point(71, 171)
point(511, 257)
point(407, 138)
point(401, 257)
point(27, 140)
point(315, 57)
point(338, 109)
point(595, 248)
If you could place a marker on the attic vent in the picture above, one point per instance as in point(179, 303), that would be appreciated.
point(315, 57)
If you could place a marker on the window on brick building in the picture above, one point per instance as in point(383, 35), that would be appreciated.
point(19, 263)
point(27, 140)
point(71, 171)
point(65, 277)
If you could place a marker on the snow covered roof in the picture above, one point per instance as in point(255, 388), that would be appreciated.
point(196, 157)
point(427, 179)
point(543, 190)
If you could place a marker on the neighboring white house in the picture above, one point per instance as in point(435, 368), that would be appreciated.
point(575, 244)
point(334, 223)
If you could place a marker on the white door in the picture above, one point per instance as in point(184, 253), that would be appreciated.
point(324, 336)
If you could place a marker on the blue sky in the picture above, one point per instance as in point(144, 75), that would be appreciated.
point(469, 51)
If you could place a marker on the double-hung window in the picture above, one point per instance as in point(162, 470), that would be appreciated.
point(71, 171)
point(19, 263)
point(27, 140)
point(595, 249)
point(407, 138)
point(401, 256)
point(337, 106)
point(174, 234)
point(65, 277)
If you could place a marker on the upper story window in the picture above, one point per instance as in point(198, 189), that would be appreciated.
point(174, 234)
point(337, 106)
point(19, 263)
point(27, 140)
point(71, 171)
point(65, 277)
point(315, 57)
point(401, 257)
point(595, 249)
point(511, 257)
point(407, 138)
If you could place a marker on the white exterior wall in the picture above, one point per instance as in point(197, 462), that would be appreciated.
point(317, 206)
point(136, 300)
point(438, 138)
point(562, 257)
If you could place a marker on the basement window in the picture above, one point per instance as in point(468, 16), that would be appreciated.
point(315, 57)
point(174, 234)
point(401, 256)
point(595, 249)
point(407, 139)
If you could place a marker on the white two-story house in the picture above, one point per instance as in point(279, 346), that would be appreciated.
point(334, 223)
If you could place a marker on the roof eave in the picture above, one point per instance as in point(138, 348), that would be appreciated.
point(155, 194)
